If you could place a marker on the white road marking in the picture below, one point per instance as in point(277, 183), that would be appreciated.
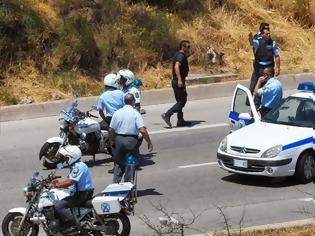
point(188, 128)
point(197, 165)
point(310, 199)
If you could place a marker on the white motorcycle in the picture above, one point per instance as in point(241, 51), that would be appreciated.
point(76, 128)
point(105, 214)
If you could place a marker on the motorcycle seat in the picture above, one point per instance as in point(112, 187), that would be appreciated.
point(88, 203)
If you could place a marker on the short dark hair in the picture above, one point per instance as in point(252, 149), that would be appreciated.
point(183, 44)
point(271, 70)
point(129, 99)
point(263, 25)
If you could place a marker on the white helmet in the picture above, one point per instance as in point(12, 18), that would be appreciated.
point(111, 80)
point(127, 75)
point(72, 152)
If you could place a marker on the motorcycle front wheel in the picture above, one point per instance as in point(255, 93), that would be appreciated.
point(48, 154)
point(11, 223)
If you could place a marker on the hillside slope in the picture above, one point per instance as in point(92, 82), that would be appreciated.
point(67, 46)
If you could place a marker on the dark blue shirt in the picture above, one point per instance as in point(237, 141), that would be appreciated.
point(183, 68)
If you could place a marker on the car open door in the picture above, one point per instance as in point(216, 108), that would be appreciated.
point(243, 111)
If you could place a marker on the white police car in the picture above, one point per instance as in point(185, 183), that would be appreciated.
point(281, 144)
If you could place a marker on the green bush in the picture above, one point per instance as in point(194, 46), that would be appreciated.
point(21, 31)
point(7, 97)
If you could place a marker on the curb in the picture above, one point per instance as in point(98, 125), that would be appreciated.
point(288, 224)
point(149, 97)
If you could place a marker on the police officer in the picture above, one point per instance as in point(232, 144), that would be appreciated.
point(123, 135)
point(270, 89)
point(180, 70)
point(79, 182)
point(111, 100)
point(266, 54)
point(137, 83)
point(126, 78)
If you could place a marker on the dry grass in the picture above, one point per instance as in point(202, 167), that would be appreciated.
point(224, 28)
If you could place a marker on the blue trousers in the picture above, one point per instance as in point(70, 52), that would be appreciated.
point(181, 99)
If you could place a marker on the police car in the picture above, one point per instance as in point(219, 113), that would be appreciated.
point(280, 144)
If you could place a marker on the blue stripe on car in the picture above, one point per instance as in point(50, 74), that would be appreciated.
point(298, 143)
point(234, 116)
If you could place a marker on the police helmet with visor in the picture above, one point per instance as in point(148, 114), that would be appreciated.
point(70, 154)
point(126, 75)
point(111, 80)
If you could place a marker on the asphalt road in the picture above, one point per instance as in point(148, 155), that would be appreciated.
point(181, 174)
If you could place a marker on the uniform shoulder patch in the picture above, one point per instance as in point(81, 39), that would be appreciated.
point(137, 95)
point(75, 171)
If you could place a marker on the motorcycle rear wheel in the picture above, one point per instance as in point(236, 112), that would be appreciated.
point(11, 222)
point(48, 154)
point(123, 224)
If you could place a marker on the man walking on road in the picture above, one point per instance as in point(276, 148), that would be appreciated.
point(180, 71)
point(266, 54)
point(123, 131)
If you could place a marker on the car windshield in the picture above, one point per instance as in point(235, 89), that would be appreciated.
point(294, 111)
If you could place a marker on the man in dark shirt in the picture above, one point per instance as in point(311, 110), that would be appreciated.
point(180, 71)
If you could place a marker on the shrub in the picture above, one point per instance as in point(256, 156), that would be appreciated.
point(20, 29)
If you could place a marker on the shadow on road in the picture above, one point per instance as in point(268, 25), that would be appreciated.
point(196, 122)
point(146, 159)
point(147, 192)
point(261, 181)
point(192, 123)
point(90, 163)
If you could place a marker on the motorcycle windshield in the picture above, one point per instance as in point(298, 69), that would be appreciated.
point(70, 115)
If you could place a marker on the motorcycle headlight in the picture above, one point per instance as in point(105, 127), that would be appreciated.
point(27, 193)
point(223, 145)
point(272, 152)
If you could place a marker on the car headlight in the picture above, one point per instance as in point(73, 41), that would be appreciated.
point(223, 145)
point(272, 152)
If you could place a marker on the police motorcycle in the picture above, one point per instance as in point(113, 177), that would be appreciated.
point(105, 214)
point(76, 128)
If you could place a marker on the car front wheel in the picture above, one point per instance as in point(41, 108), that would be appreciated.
point(305, 171)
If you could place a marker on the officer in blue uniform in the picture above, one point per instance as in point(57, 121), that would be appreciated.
point(138, 84)
point(110, 101)
point(126, 79)
point(271, 92)
point(79, 182)
point(266, 54)
point(123, 135)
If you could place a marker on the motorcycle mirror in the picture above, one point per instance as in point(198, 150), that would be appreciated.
point(75, 103)
point(35, 174)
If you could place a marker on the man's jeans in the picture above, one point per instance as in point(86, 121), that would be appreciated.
point(181, 99)
point(125, 145)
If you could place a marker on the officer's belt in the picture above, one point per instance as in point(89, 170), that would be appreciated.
point(128, 135)
point(91, 190)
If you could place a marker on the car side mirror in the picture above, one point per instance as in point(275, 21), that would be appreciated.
point(245, 116)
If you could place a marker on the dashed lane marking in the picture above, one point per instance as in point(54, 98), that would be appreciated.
point(197, 165)
point(188, 128)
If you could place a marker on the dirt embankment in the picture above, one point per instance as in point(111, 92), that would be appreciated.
point(56, 48)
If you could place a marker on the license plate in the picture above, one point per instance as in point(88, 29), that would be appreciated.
point(240, 163)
